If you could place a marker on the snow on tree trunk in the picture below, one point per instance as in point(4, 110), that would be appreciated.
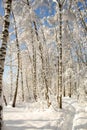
point(60, 56)
point(34, 73)
point(22, 83)
point(43, 68)
point(34, 56)
point(11, 75)
point(5, 34)
point(18, 58)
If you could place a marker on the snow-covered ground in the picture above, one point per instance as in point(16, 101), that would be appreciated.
point(35, 116)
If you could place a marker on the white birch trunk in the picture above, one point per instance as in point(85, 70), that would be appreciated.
point(5, 34)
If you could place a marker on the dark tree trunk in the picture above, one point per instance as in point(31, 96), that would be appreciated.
point(4, 98)
point(70, 89)
point(60, 57)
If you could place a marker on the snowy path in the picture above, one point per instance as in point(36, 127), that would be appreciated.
point(21, 118)
point(80, 119)
point(69, 113)
point(24, 120)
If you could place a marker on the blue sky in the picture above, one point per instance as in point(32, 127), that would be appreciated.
point(1, 8)
point(45, 11)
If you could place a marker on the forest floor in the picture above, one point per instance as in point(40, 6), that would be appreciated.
point(35, 116)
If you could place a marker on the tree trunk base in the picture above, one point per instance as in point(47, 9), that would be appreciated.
point(69, 95)
point(59, 99)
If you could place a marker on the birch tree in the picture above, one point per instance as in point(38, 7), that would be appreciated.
point(5, 34)
point(60, 5)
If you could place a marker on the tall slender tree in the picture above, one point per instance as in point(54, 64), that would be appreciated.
point(5, 34)
point(60, 5)
point(18, 58)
